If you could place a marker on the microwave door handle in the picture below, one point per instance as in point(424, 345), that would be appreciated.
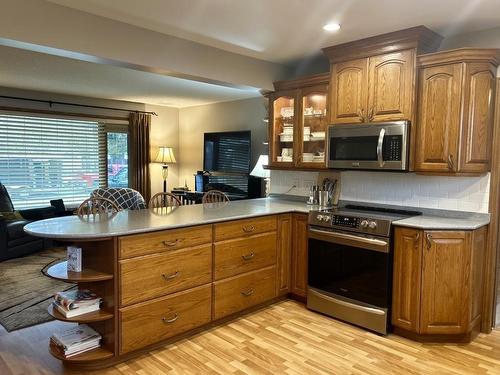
point(379, 147)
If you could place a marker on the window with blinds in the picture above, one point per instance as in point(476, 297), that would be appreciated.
point(49, 158)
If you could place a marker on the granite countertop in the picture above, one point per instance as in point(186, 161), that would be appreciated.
point(142, 221)
point(436, 221)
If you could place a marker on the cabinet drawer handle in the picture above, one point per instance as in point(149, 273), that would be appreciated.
point(248, 229)
point(247, 293)
point(361, 115)
point(248, 256)
point(451, 164)
point(171, 276)
point(170, 320)
point(428, 238)
point(371, 115)
point(171, 243)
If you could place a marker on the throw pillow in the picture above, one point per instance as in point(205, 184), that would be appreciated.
point(11, 216)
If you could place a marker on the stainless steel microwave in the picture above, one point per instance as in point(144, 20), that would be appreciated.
point(381, 145)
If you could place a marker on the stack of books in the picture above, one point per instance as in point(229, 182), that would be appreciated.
point(75, 341)
point(76, 302)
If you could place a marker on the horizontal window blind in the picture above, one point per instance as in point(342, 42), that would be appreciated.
point(48, 158)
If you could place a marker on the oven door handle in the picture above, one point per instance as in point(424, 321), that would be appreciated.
point(379, 147)
point(350, 240)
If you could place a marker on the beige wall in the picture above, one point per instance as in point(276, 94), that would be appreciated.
point(164, 132)
point(245, 114)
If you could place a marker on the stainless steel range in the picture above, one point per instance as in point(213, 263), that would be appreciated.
point(350, 264)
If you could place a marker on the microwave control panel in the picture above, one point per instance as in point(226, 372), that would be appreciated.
point(392, 147)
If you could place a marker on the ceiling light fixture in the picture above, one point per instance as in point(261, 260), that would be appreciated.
point(331, 27)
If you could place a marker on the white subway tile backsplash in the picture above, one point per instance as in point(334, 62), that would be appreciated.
point(451, 193)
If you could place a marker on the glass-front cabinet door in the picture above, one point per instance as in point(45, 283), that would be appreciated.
point(312, 127)
point(282, 122)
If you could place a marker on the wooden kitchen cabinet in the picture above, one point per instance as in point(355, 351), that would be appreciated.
point(376, 88)
point(284, 256)
point(299, 255)
point(437, 283)
point(455, 118)
point(298, 120)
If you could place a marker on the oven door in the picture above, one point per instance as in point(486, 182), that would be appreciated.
point(369, 146)
point(353, 266)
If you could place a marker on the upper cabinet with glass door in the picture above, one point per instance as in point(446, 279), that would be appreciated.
point(282, 121)
point(312, 127)
point(298, 122)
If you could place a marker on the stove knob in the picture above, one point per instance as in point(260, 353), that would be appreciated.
point(319, 217)
point(326, 218)
point(364, 224)
point(372, 224)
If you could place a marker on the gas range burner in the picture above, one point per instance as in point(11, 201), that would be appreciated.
point(360, 219)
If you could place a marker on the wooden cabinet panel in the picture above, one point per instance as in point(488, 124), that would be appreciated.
point(246, 227)
point(244, 291)
point(238, 256)
point(349, 95)
point(284, 254)
point(152, 276)
point(438, 118)
point(407, 278)
point(477, 126)
point(446, 282)
point(479, 237)
point(299, 255)
point(391, 86)
point(153, 321)
point(166, 240)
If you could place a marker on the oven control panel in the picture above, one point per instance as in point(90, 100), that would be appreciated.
point(345, 221)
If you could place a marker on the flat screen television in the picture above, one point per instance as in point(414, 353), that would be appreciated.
point(227, 152)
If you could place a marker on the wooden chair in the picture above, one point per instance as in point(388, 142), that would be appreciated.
point(163, 200)
point(214, 196)
point(97, 206)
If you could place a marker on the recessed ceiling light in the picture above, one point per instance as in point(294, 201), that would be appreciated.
point(331, 27)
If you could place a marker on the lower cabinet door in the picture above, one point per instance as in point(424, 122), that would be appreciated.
point(445, 302)
point(244, 291)
point(299, 255)
point(149, 322)
point(407, 278)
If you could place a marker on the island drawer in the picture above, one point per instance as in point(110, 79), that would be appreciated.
point(244, 291)
point(246, 227)
point(233, 257)
point(153, 321)
point(166, 240)
point(151, 276)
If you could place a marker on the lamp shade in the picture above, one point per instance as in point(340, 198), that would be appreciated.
point(258, 170)
point(165, 155)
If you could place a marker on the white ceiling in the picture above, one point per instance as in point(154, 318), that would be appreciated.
point(285, 30)
point(37, 71)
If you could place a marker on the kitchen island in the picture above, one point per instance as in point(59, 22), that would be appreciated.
point(166, 274)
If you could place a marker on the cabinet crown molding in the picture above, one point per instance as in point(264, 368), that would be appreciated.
point(311, 80)
point(484, 55)
point(420, 38)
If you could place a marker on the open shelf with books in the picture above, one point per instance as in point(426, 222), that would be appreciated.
point(60, 271)
point(93, 305)
point(92, 355)
point(95, 316)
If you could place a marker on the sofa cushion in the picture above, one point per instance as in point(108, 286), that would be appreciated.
point(15, 229)
point(23, 241)
point(5, 202)
point(11, 216)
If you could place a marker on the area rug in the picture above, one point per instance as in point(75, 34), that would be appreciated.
point(25, 292)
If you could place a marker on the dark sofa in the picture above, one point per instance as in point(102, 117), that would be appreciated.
point(14, 242)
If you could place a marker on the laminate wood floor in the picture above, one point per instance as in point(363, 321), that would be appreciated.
point(284, 338)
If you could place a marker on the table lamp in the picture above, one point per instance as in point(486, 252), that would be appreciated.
point(259, 171)
point(165, 156)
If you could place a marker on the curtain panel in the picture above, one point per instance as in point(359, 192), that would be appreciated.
point(139, 129)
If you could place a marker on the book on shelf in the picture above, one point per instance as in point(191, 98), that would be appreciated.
point(75, 340)
point(76, 302)
point(74, 255)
